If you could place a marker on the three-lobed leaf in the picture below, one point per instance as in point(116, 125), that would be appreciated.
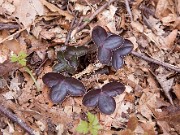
point(111, 47)
point(103, 98)
point(62, 86)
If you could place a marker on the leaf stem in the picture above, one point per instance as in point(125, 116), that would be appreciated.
point(34, 80)
point(17, 120)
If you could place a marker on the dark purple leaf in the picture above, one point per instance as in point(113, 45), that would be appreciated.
point(125, 49)
point(117, 61)
point(58, 93)
point(99, 35)
point(113, 42)
point(74, 87)
point(104, 55)
point(106, 104)
point(103, 98)
point(62, 86)
point(113, 89)
point(91, 98)
point(51, 79)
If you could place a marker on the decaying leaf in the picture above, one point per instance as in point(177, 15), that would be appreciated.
point(176, 90)
point(27, 10)
point(6, 67)
point(166, 85)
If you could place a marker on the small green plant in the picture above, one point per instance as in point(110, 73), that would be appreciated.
point(21, 59)
point(92, 125)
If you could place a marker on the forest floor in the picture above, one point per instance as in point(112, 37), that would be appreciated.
point(38, 29)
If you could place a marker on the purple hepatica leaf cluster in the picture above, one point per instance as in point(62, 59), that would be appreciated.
point(62, 86)
point(103, 98)
point(111, 48)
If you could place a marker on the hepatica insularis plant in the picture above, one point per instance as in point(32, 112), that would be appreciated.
point(112, 48)
point(62, 86)
point(103, 98)
point(68, 60)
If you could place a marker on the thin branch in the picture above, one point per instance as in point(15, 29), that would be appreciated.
point(128, 9)
point(8, 26)
point(71, 29)
point(17, 120)
point(78, 29)
point(166, 65)
point(11, 36)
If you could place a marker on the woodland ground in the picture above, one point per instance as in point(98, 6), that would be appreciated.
point(151, 102)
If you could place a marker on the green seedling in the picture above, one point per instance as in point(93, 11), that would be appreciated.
point(92, 125)
point(21, 59)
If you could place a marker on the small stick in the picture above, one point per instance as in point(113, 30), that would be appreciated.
point(8, 26)
point(128, 9)
point(78, 29)
point(17, 120)
point(166, 65)
point(70, 31)
point(38, 69)
point(11, 36)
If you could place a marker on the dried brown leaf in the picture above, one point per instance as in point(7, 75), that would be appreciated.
point(53, 8)
point(171, 115)
point(6, 67)
point(132, 123)
point(176, 90)
point(166, 85)
point(26, 11)
point(149, 128)
point(126, 132)
point(169, 40)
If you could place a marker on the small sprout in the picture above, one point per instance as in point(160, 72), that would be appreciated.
point(103, 98)
point(111, 48)
point(91, 126)
point(62, 86)
point(20, 58)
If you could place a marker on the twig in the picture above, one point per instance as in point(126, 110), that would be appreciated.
point(38, 69)
point(128, 9)
point(71, 29)
point(166, 65)
point(11, 36)
point(78, 29)
point(17, 120)
point(8, 26)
